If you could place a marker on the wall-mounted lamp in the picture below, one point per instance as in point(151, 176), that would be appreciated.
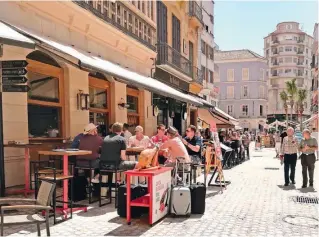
point(83, 100)
point(123, 105)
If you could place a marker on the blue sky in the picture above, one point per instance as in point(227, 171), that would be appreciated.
point(244, 24)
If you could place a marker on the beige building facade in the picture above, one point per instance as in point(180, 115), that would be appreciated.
point(91, 60)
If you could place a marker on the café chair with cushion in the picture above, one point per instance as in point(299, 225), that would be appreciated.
point(41, 204)
point(54, 177)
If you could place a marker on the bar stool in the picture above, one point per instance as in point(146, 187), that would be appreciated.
point(51, 175)
point(109, 168)
point(37, 165)
point(86, 164)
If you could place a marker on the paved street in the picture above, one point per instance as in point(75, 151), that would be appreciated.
point(255, 204)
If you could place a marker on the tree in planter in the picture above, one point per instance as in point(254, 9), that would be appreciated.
point(284, 99)
point(302, 96)
point(292, 93)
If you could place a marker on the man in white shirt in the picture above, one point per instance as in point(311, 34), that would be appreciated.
point(126, 132)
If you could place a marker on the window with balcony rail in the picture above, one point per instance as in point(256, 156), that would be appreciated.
point(195, 10)
point(121, 17)
point(167, 55)
point(203, 47)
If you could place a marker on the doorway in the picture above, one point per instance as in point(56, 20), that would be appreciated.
point(177, 122)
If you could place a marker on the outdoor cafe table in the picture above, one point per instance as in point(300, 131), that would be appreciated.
point(65, 154)
point(26, 190)
point(134, 151)
point(157, 199)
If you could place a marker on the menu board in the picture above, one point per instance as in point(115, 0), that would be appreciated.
point(161, 195)
point(218, 150)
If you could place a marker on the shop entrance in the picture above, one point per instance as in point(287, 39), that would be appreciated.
point(177, 122)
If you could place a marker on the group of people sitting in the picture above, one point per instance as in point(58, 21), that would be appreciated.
point(111, 150)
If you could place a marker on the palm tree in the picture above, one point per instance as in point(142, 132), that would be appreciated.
point(302, 96)
point(292, 92)
point(284, 99)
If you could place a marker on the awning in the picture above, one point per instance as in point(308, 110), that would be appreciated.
point(207, 116)
point(216, 109)
point(91, 62)
point(204, 102)
point(313, 117)
point(12, 37)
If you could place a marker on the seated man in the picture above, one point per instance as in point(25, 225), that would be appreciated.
point(193, 144)
point(90, 141)
point(114, 148)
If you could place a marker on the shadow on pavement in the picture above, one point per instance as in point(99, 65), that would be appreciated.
point(138, 227)
point(307, 190)
point(287, 188)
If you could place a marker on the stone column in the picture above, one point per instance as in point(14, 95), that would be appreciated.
point(15, 123)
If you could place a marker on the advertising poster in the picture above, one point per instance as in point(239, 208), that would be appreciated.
point(161, 195)
point(215, 137)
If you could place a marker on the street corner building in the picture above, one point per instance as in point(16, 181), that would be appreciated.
point(242, 79)
point(135, 62)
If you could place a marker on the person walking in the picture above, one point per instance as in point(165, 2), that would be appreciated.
point(277, 143)
point(289, 151)
point(308, 146)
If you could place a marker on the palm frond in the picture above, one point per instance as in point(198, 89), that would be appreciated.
point(292, 88)
point(283, 96)
point(302, 95)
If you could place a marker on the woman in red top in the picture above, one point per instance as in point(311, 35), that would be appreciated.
point(159, 139)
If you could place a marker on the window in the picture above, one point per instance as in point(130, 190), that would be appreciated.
point(295, 60)
point(139, 5)
point(230, 109)
point(98, 99)
point(245, 91)
point(230, 74)
point(132, 101)
point(211, 77)
point(203, 47)
point(230, 92)
point(211, 53)
point(152, 16)
point(204, 72)
point(295, 49)
point(306, 50)
point(287, 70)
point(261, 92)
point(262, 74)
point(281, 60)
point(261, 110)
point(295, 38)
point(306, 61)
point(245, 74)
point(288, 49)
point(245, 110)
point(205, 97)
point(281, 49)
point(45, 107)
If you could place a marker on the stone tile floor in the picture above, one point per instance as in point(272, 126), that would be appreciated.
point(254, 204)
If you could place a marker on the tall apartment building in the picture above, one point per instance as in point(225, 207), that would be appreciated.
point(210, 92)
point(178, 38)
point(288, 53)
point(242, 80)
point(92, 61)
point(315, 81)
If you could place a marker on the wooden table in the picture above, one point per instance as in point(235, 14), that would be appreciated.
point(26, 190)
point(134, 151)
point(65, 155)
point(159, 185)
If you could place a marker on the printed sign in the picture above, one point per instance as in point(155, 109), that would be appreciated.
point(218, 150)
point(161, 195)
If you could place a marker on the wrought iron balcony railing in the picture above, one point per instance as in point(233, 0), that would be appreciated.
point(167, 55)
point(197, 75)
point(195, 11)
point(121, 17)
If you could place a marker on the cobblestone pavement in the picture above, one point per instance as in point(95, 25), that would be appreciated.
point(254, 204)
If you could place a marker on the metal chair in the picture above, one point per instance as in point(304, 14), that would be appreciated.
point(42, 203)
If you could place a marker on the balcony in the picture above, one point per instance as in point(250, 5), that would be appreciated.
point(275, 63)
point(300, 41)
point(287, 74)
point(300, 52)
point(195, 13)
point(275, 41)
point(197, 75)
point(275, 74)
point(275, 52)
point(173, 61)
point(300, 63)
point(122, 18)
